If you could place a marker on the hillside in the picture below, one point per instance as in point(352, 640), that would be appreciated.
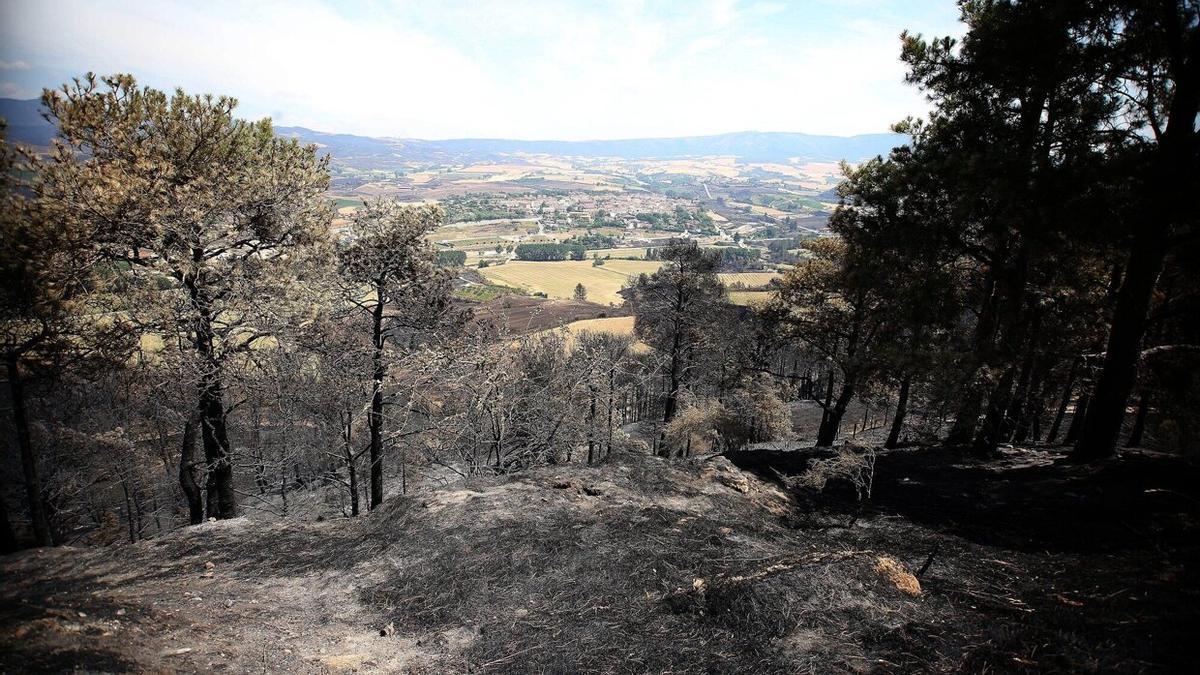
point(642, 565)
point(27, 126)
point(747, 145)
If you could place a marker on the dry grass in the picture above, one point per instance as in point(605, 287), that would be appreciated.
point(613, 325)
point(750, 298)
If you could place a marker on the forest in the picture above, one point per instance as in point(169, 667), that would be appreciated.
point(186, 340)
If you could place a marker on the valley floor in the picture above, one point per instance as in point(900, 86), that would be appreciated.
point(643, 565)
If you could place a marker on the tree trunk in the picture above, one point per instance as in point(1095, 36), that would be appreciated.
point(992, 429)
point(672, 398)
point(830, 425)
point(966, 419)
point(1066, 401)
point(375, 418)
point(1139, 422)
point(128, 512)
point(222, 500)
point(1102, 426)
point(828, 400)
point(187, 475)
point(1081, 408)
point(893, 438)
point(352, 470)
point(8, 538)
point(1170, 179)
point(591, 436)
point(608, 434)
point(33, 485)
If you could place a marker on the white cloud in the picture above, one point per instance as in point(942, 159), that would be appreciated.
point(513, 68)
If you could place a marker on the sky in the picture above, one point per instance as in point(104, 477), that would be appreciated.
point(530, 69)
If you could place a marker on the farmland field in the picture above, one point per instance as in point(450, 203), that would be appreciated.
point(616, 325)
point(493, 229)
point(748, 279)
point(750, 298)
point(613, 325)
point(558, 279)
point(634, 253)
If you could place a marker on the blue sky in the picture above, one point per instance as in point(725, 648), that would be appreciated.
point(496, 68)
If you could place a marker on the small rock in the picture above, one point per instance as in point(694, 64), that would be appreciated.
point(120, 612)
point(209, 565)
point(82, 615)
point(521, 613)
point(229, 603)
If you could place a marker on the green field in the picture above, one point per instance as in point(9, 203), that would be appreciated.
point(484, 292)
point(558, 279)
point(344, 202)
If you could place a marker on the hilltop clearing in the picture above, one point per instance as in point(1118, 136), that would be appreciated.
point(640, 565)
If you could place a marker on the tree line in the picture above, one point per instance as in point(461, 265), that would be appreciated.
point(1032, 249)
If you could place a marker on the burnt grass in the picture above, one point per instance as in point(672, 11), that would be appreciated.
point(639, 565)
point(1098, 563)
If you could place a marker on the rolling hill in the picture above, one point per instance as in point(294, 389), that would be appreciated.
point(25, 125)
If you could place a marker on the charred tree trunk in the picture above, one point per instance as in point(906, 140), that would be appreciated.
point(966, 418)
point(990, 432)
point(671, 400)
point(830, 425)
point(1170, 181)
point(1066, 401)
point(592, 426)
point(351, 469)
point(375, 417)
point(214, 434)
point(1081, 408)
point(29, 469)
point(8, 538)
point(828, 400)
point(1139, 422)
point(1101, 427)
point(893, 438)
point(608, 435)
point(187, 475)
point(222, 500)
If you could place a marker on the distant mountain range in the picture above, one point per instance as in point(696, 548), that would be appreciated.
point(25, 125)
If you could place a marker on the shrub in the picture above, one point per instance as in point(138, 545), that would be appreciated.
point(849, 465)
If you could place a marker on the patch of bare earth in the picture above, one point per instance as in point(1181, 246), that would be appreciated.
point(638, 565)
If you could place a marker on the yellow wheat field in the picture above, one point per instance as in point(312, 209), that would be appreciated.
point(558, 279)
